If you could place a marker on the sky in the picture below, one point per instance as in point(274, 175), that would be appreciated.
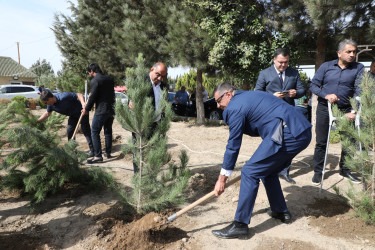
point(29, 23)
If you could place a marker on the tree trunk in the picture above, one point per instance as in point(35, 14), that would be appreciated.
point(199, 97)
point(319, 60)
point(139, 205)
point(320, 47)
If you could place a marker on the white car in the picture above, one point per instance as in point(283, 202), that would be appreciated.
point(10, 91)
point(121, 97)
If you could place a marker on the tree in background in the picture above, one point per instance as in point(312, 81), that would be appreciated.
point(68, 81)
point(189, 81)
point(318, 26)
point(45, 73)
point(154, 188)
point(361, 160)
point(89, 36)
point(142, 30)
point(189, 45)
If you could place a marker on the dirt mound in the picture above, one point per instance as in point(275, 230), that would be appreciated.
point(148, 232)
point(331, 217)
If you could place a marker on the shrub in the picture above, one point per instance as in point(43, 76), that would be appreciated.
point(20, 99)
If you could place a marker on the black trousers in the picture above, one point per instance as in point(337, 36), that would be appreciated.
point(85, 126)
point(321, 130)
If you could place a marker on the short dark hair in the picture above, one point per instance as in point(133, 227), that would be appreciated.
point(373, 61)
point(281, 51)
point(45, 95)
point(94, 67)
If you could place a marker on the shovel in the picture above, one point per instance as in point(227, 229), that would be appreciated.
point(79, 122)
point(204, 198)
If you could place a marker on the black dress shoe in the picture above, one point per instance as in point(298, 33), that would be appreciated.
point(234, 230)
point(350, 176)
point(93, 160)
point(90, 154)
point(108, 155)
point(287, 178)
point(284, 217)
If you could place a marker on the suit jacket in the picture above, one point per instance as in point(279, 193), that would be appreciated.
point(269, 81)
point(102, 94)
point(265, 116)
point(163, 86)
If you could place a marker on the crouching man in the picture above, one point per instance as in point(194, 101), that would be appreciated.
point(285, 133)
point(69, 104)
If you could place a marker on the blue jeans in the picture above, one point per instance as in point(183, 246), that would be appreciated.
point(99, 121)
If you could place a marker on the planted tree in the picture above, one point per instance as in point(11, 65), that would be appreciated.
point(40, 165)
point(154, 187)
point(359, 140)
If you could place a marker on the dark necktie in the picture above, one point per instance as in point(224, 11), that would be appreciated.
point(281, 79)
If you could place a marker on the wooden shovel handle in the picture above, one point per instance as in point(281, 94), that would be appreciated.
point(79, 121)
point(199, 201)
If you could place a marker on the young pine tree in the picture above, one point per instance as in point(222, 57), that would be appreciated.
point(40, 165)
point(154, 188)
point(359, 140)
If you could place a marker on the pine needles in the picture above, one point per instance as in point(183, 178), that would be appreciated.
point(359, 142)
point(154, 189)
point(42, 166)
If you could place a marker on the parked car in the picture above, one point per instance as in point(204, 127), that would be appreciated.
point(10, 91)
point(211, 111)
point(121, 97)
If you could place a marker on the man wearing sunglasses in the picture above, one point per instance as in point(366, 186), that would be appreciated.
point(285, 133)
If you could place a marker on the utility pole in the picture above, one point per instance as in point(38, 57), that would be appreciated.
point(18, 48)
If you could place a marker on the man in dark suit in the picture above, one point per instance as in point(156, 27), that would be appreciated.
point(285, 133)
point(158, 72)
point(284, 83)
point(102, 94)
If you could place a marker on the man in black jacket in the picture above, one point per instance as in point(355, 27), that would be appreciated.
point(102, 94)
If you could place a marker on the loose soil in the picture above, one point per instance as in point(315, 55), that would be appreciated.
point(74, 219)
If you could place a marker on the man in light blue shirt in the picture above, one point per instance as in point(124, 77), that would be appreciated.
point(182, 99)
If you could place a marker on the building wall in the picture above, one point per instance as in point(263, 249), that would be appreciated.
point(22, 80)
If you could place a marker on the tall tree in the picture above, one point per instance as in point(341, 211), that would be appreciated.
point(89, 36)
point(68, 81)
point(142, 30)
point(236, 27)
point(318, 25)
point(188, 44)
